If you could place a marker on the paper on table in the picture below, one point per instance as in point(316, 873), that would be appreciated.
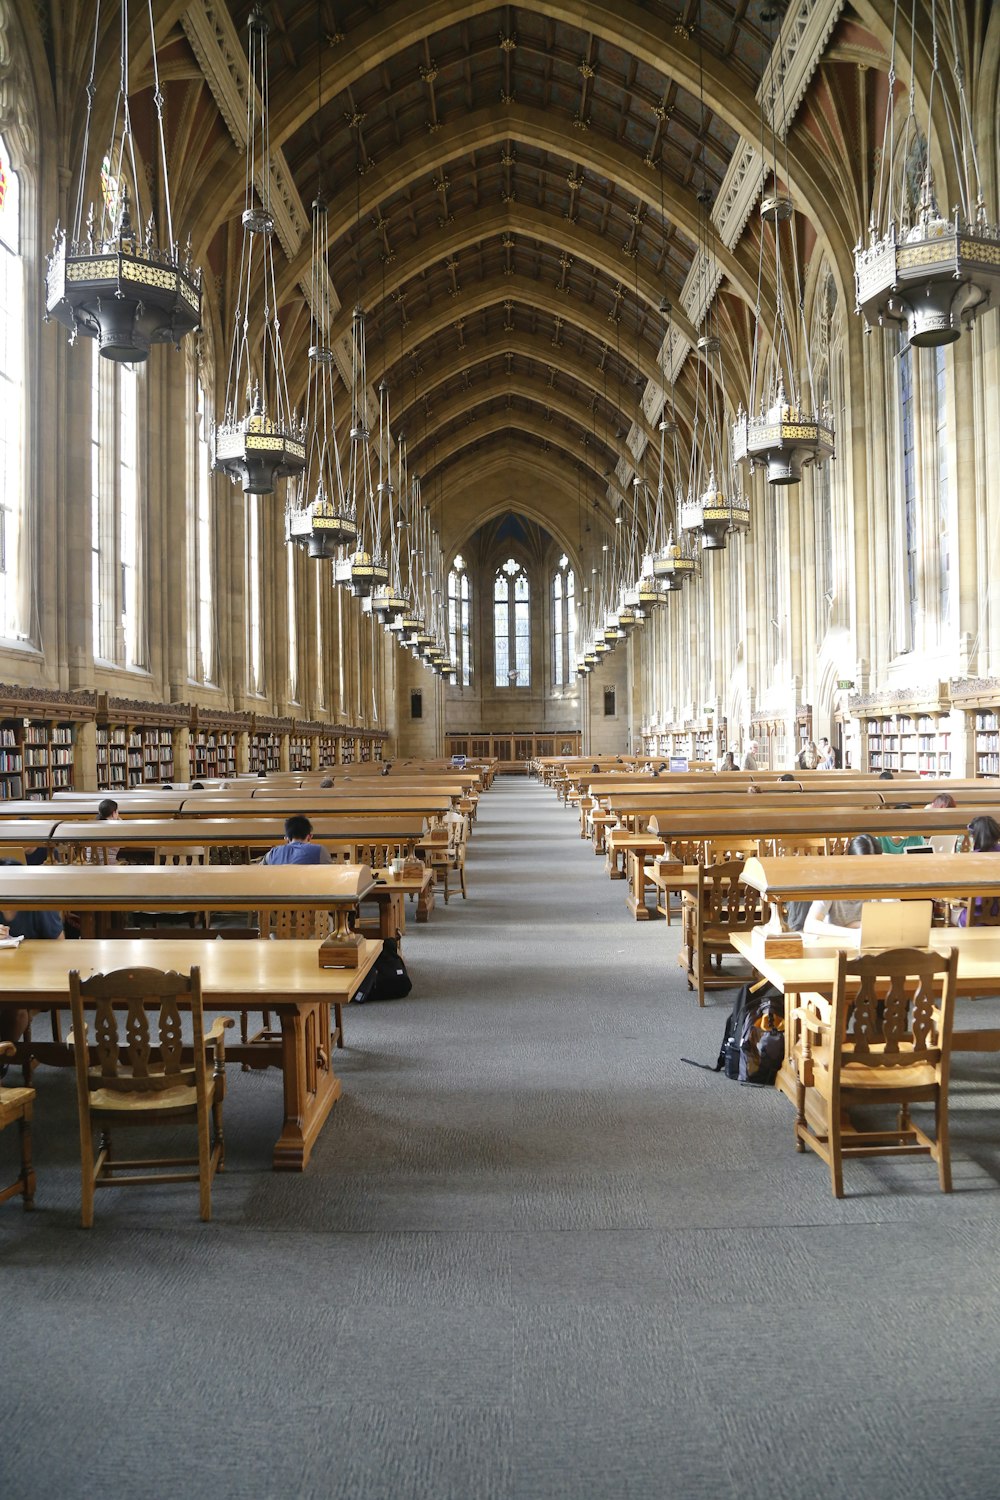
point(11, 942)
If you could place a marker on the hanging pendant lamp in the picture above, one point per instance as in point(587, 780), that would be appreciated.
point(921, 271)
point(366, 569)
point(784, 427)
point(260, 439)
point(112, 279)
point(319, 516)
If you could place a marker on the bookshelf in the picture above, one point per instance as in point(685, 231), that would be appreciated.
point(327, 750)
point(299, 752)
point(211, 754)
point(265, 751)
point(914, 743)
point(131, 755)
point(986, 743)
point(36, 756)
point(347, 750)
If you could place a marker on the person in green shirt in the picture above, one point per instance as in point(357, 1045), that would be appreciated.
point(892, 845)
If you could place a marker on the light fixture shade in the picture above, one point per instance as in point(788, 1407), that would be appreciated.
point(929, 280)
point(321, 528)
point(367, 573)
point(783, 440)
point(260, 439)
point(675, 564)
point(126, 294)
point(713, 517)
point(389, 603)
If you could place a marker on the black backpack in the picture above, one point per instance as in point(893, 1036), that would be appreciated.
point(387, 978)
point(753, 1043)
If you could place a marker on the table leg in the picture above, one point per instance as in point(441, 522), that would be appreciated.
point(636, 899)
point(310, 1086)
point(425, 903)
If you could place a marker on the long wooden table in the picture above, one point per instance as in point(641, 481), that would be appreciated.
point(207, 888)
point(282, 977)
point(814, 973)
point(871, 877)
point(400, 833)
point(767, 821)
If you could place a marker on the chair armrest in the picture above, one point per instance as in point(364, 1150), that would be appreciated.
point(813, 1009)
point(219, 1028)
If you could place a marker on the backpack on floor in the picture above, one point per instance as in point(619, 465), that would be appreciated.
point(753, 1043)
point(387, 978)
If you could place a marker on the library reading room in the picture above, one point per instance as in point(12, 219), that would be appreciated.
point(500, 704)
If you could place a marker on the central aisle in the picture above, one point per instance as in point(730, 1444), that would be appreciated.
point(534, 1257)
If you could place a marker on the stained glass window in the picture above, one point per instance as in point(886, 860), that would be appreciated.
point(511, 626)
point(563, 623)
point(459, 640)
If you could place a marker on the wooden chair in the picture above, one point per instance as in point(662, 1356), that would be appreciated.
point(16, 1107)
point(722, 907)
point(884, 1038)
point(279, 923)
point(451, 856)
point(801, 844)
point(135, 1074)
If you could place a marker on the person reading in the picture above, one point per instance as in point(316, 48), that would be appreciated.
point(841, 917)
point(298, 848)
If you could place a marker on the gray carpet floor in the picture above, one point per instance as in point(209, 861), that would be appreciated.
point(534, 1254)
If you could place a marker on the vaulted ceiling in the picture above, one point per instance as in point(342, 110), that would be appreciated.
point(515, 195)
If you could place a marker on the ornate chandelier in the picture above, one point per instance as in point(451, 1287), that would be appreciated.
point(708, 510)
point(260, 439)
point(783, 428)
point(921, 271)
point(112, 279)
point(389, 601)
point(366, 569)
point(319, 516)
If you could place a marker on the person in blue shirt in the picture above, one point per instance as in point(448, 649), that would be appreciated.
point(15, 1024)
point(298, 848)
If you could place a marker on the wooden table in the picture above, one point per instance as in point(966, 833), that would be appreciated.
point(620, 843)
point(978, 975)
point(206, 888)
point(390, 891)
point(875, 877)
point(283, 977)
point(397, 833)
point(764, 820)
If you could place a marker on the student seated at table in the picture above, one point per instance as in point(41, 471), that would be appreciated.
point(985, 833)
point(892, 845)
point(786, 776)
point(298, 848)
point(107, 812)
point(728, 762)
point(832, 917)
point(941, 843)
point(15, 1024)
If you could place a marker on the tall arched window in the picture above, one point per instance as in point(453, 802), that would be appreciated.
point(255, 628)
point(129, 516)
point(12, 623)
point(907, 444)
point(511, 626)
point(293, 626)
point(944, 544)
point(201, 642)
point(563, 623)
point(458, 621)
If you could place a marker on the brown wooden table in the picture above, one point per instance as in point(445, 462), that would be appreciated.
point(206, 888)
point(875, 877)
point(978, 975)
point(282, 977)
